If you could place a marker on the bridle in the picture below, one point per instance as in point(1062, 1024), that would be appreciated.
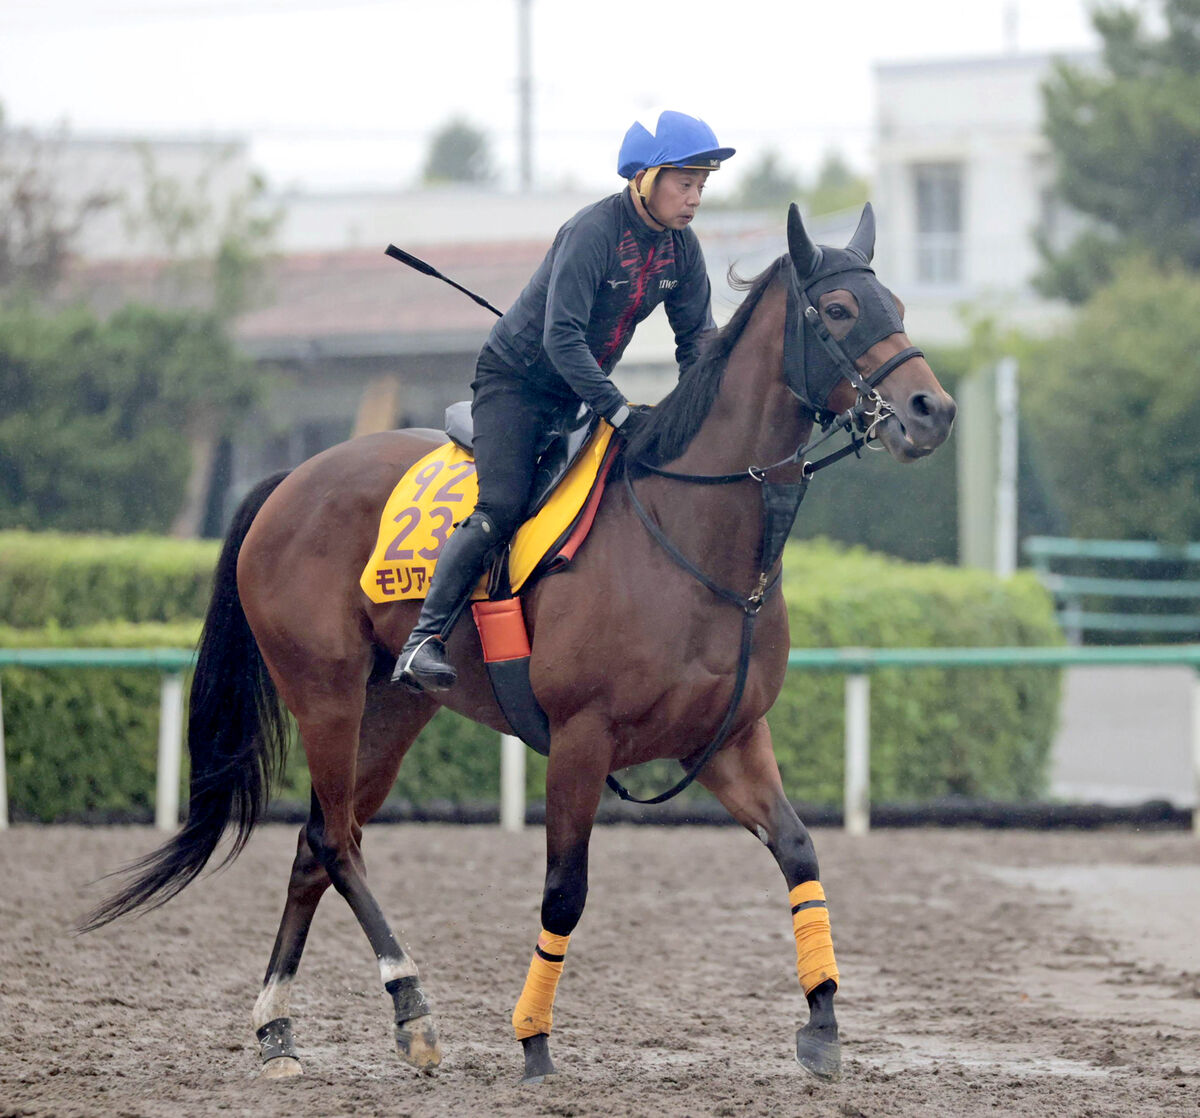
point(780, 500)
point(860, 421)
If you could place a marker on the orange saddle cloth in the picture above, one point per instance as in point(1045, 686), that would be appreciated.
point(440, 490)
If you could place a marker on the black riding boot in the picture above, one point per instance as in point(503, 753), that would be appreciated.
point(422, 663)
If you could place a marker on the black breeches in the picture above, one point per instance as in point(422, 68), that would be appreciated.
point(511, 419)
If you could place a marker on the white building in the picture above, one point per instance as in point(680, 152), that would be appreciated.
point(962, 184)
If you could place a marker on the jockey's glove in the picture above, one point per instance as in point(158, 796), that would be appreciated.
point(631, 418)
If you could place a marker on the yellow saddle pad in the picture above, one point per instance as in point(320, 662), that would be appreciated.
point(439, 491)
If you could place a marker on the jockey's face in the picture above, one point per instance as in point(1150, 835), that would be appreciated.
point(675, 197)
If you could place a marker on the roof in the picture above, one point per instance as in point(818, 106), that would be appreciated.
point(360, 302)
point(347, 302)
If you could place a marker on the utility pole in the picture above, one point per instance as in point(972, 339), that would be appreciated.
point(524, 97)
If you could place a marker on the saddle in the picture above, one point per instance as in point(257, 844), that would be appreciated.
point(440, 490)
point(560, 448)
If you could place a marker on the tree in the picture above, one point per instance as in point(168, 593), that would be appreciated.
point(217, 255)
point(837, 187)
point(37, 223)
point(91, 411)
point(768, 184)
point(1126, 144)
point(216, 260)
point(459, 152)
point(1114, 408)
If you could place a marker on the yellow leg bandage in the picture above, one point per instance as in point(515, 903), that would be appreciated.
point(535, 1007)
point(814, 942)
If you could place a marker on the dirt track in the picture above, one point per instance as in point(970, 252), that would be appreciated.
point(983, 973)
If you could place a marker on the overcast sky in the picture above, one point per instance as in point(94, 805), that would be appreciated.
point(347, 94)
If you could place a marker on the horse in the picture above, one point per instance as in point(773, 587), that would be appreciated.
point(667, 637)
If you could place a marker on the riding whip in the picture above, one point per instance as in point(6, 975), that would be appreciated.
point(429, 270)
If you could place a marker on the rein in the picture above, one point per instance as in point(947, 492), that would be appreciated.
point(778, 513)
point(781, 503)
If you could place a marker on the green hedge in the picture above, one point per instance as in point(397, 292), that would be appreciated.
point(76, 580)
point(82, 742)
point(983, 732)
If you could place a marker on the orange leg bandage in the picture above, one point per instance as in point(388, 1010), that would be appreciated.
point(814, 942)
point(535, 1007)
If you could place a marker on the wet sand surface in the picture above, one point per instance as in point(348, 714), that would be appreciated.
point(983, 973)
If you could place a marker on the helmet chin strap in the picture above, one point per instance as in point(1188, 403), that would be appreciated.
point(644, 189)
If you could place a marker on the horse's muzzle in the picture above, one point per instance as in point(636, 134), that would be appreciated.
point(918, 425)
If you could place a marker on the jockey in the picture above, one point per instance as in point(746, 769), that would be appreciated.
point(609, 266)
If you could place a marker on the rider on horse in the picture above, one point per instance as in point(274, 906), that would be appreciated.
point(609, 266)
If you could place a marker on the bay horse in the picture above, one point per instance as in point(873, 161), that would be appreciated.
point(635, 646)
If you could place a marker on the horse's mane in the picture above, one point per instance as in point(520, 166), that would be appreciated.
point(676, 419)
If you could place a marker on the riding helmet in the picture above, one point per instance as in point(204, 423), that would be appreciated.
point(678, 140)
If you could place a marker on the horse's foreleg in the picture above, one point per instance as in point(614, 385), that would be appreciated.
point(574, 781)
point(745, 778)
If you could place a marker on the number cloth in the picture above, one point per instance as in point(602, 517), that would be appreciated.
point(440, 491)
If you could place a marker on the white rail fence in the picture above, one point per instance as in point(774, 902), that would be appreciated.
point(855, 663)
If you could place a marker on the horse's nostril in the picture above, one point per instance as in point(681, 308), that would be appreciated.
point(921, 404)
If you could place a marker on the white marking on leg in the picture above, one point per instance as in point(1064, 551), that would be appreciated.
point(272, 1001)
point(391, 968)
point(763, 837)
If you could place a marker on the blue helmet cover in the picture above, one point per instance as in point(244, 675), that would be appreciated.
point(678, 140)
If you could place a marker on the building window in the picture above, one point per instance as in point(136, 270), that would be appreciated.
point(938, 191)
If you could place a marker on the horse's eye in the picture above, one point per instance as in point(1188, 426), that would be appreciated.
point(836, 310)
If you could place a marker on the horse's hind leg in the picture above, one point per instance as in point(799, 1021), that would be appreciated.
point(390, 722)
point(271, 1018)
point(745, 778)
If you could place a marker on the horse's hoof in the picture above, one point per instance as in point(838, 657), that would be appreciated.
point(282, 1067)
point(417, 1043)
point(818, 1051)
point(538, 1064)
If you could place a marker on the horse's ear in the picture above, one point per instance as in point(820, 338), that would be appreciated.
point(863, 241)
point(805, 255)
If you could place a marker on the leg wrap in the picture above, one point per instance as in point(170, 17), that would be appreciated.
point(814, 943)
point(535, 1008)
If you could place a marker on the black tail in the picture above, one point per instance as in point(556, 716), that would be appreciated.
point(237, 739)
